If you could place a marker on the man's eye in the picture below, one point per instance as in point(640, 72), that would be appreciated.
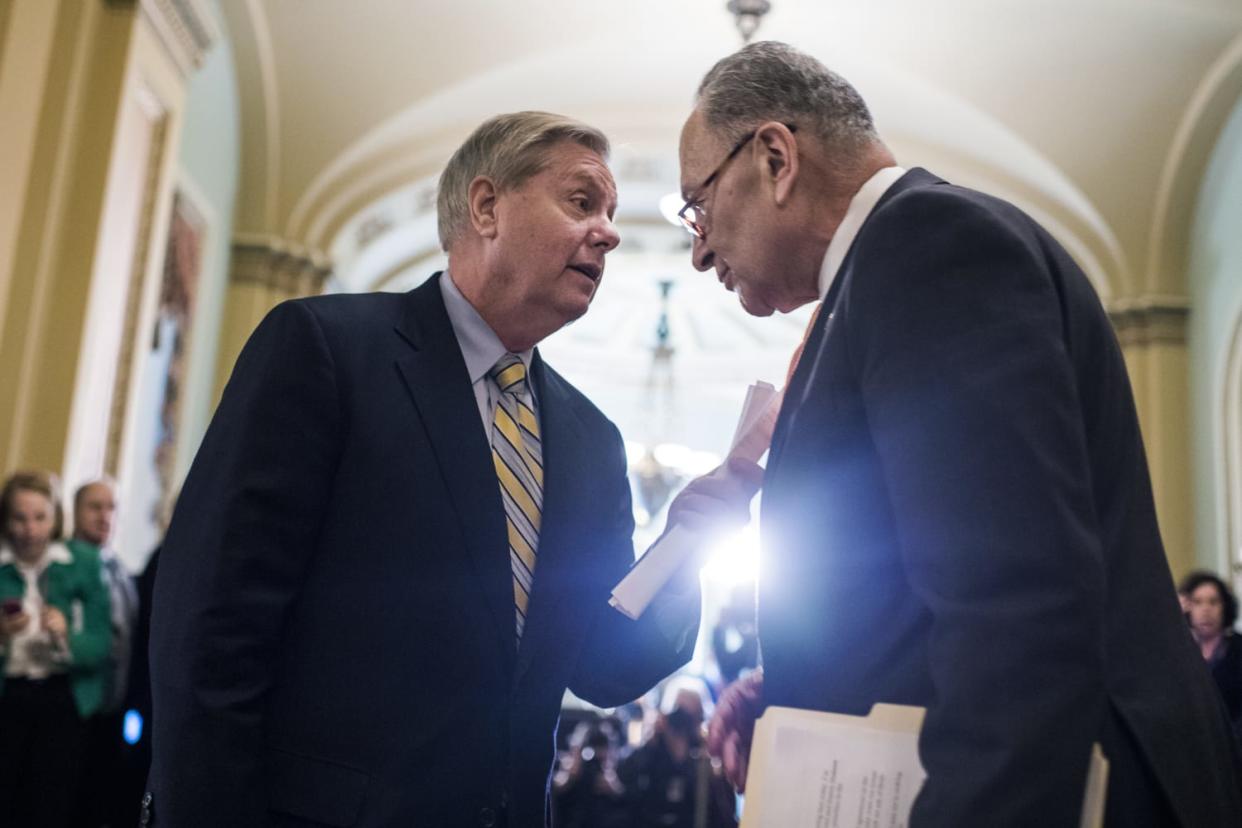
point(581, 202)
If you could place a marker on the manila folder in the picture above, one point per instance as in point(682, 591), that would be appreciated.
point(829, 770)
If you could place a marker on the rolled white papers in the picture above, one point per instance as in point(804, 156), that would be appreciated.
point(677, 547)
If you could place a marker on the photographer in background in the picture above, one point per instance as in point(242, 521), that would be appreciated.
point(586, 790)
point(670, 781)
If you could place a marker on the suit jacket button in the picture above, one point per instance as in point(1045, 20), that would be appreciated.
point(487, 817)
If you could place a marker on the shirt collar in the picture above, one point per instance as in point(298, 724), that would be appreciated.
point(57, 552)
point(860, 208)
point(480, 347)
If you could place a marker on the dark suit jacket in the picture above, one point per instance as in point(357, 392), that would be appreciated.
point(958, 514)
point(333, 636)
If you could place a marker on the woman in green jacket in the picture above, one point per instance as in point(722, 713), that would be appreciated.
point(54, 640)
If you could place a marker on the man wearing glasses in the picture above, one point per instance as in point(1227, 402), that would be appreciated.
point(957, 509)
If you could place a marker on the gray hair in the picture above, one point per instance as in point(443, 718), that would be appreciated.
point(508, 149)
point(772, 81)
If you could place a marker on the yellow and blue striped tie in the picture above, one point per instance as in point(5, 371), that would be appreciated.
point(518, 456)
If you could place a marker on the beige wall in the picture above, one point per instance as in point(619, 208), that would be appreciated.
point(60, 86)
point(92, 92)
point(1154, 344)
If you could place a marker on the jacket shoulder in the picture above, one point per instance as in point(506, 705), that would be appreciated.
point(586, 410)
point(337, 309)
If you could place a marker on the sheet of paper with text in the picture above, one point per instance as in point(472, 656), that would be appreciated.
point(827, 770)
point(823, 770)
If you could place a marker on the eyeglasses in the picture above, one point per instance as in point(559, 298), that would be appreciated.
point(696, 223)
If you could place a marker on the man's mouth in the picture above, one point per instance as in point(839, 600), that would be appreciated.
point(591, 271)
point(726, 278)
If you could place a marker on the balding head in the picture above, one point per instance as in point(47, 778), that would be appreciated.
point(94, 508)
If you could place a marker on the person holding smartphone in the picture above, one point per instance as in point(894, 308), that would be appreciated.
point(54, 644)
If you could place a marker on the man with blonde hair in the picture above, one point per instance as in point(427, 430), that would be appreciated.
point(394, 550)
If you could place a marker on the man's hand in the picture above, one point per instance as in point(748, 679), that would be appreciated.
point(733, 726)
point(719, 499)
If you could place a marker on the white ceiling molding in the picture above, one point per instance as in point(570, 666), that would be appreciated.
point(185, 28)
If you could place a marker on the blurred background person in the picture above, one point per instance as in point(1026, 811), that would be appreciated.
point(1211, 611)
point(670, 781)
point(54, 638)
point(735, 638)
point(586, 790)
point(101, 802)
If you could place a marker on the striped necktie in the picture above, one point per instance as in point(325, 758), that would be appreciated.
point(518, 457)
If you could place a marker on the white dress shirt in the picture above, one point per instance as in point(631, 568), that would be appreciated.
point(861, 205)
point(481, 349)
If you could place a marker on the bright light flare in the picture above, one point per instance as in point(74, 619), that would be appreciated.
point(734, 559)
point(670, 204)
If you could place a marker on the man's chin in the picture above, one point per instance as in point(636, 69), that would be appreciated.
point(753, 305)
point(572, 311)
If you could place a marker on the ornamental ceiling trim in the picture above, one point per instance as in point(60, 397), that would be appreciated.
point(185, 28)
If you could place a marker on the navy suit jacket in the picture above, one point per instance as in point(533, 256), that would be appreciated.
point(958, 514)
point(333, 638)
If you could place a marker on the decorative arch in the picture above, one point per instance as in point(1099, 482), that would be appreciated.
point(251, 36)
point(1173, 220)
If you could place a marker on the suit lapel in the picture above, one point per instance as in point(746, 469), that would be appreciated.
point(434, 374)
point(565, 442)
point(802, 372)
point(794, 394)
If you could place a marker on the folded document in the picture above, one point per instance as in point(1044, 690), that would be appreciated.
point(828, 770)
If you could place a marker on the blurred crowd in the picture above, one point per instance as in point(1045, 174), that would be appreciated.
point(644, 765)
point(73, 746)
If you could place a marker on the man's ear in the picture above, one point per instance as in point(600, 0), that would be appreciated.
point(779, 153)
point(481, 198)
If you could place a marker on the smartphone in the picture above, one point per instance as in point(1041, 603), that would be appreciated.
point(11, 606)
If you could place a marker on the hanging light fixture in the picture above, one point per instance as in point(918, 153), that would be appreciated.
point(748, 14)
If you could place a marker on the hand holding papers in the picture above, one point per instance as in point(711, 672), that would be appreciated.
point(681, 543)
point(754, 427)
point(828, 770)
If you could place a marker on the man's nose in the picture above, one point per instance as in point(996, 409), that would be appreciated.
point(606, 235)
point(701, 254)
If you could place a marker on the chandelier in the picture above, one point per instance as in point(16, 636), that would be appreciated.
point(748, 14)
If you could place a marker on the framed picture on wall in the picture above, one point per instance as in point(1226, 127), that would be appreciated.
point(162, 371)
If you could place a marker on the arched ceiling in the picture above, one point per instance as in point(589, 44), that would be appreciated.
point(1089, 113)
point(1096, 116)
